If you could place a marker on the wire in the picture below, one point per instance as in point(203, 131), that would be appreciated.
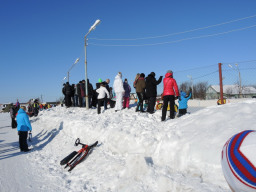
point(169, 42)
point(195, 68)
point(250, 61)
point(206, 75)
point(154, 37)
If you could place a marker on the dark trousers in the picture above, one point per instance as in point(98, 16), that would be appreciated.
point(140, 104)
point(106, 103)
point(23, 140)
point(68, 101)
point(182, 112)
point(168, 99)
point(151, 104)
point(75, 100)
point(80, 101)
point(14, 123)
point(99, 105)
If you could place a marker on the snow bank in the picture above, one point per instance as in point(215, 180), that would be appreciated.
point(136, 151)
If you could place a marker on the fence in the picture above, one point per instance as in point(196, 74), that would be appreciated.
point(238, 83)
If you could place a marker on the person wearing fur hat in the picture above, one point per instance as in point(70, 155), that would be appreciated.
point(119, 91)
point(170, 93)
point(151, 90)
point(183, 103)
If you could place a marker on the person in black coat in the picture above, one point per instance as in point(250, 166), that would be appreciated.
point(13, 111)
point(90, 93)
point(80, 99)
point(73, 94)
point(68, 94)
point(151, 90)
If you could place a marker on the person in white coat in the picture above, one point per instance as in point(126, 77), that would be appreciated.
point(119, 91)
point(102, 92)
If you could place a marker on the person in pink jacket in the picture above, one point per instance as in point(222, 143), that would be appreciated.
point(170, 93)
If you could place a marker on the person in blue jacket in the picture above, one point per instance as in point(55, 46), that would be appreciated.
point(23, 127)
point(183, 103)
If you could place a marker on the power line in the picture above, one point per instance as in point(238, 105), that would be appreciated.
point(237, 62)
point(196, 68)
point(206, 75)
point(161, 36)
point(169, 42)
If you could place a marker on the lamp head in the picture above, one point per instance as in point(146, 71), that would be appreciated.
point(95, 24)
point(77, 60)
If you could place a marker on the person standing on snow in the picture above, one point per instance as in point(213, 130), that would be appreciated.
point(68, 94)
point(151, 91)
point(13, 111)
point(183, 103)
point(80, 98)
point(75, 96)
point(127, 90)
point(17, 105)
point(23, 127)
point(119, 91)
point(102, 92)
point(170, 91)
point(106, 99)
point(36, 107)
point(90, 93)
point(140, 91)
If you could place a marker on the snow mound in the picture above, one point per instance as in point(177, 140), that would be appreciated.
point(136, 151)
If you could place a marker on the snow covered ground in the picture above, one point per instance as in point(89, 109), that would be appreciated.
point(136, 151)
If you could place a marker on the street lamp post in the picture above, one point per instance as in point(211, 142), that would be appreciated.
point(240, 79)
point(85, 62)
point(191, 79)
point(71, 68)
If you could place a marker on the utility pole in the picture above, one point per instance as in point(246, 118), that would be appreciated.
point(221, 84)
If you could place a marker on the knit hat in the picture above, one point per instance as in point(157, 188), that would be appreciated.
point(142, 75)
point(169, 71)
point(183, 94)
point(100, 80)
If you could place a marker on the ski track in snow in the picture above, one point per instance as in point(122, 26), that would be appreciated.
point(136, 151)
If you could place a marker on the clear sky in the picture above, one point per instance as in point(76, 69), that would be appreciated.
point(40, 40)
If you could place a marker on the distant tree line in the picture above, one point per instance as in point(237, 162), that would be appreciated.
point(199, 89)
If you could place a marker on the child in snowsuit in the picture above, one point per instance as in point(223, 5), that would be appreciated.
point(102, 92)
point(183, 103)
point(23, 127)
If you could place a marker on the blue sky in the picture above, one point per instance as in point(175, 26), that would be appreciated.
point(40, 40)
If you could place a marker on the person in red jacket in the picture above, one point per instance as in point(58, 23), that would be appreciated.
point(170, 93)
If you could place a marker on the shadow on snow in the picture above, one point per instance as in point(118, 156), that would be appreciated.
point(39, 141)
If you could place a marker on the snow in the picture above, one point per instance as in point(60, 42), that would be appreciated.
point(136, 151)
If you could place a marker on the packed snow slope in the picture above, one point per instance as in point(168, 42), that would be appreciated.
point(136, 151)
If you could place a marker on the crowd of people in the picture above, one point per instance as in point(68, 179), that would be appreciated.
point(118, 96)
